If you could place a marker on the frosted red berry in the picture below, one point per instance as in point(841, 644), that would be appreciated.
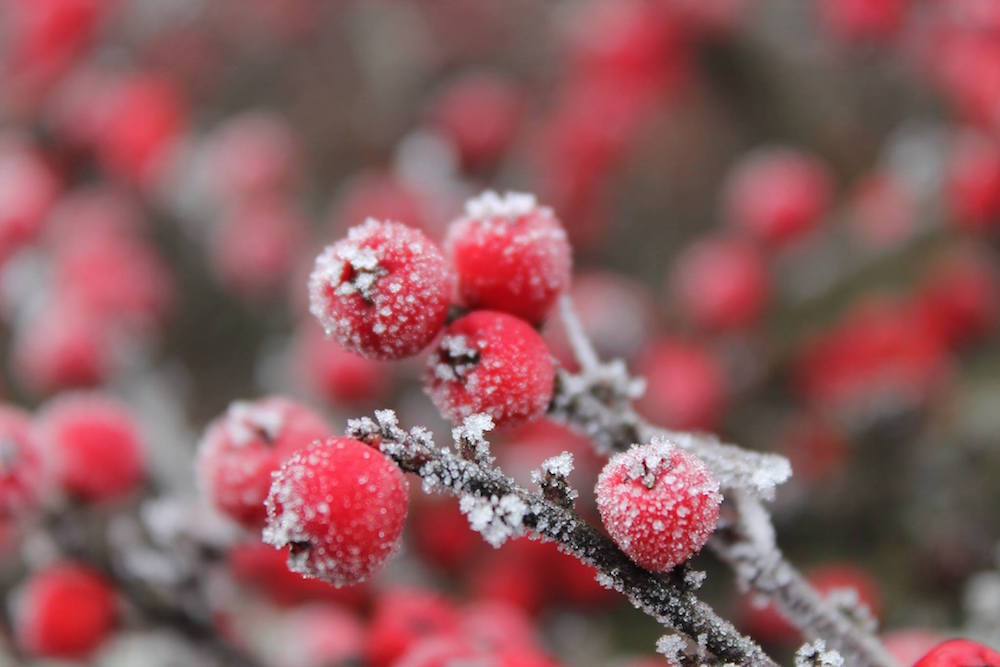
point(494, 363)
point(339, 505)
point(243, 447)
point(659, 503)
point(777, 194)
point(92, 446)
point(720, 283)
point(383, 291)
point(65, 611)
point(960, 653)
point(509, 254)
point(401, 618)
point(21, 471)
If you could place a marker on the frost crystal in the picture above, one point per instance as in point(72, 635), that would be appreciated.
point(816, 655)
point(672, 648)
point(469, 436)
point(558, 466)
point(492, 205)
point(246, 421)
point(497, 519)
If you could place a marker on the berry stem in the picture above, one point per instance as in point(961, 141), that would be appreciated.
point(597, 401)
point(663, 597)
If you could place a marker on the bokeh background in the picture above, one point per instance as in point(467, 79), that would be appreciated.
point(785, 214)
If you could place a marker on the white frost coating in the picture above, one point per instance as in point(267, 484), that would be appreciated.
point(471, 434)
point(560, 465)
point(246, 420)
point(497, 519)
point(672, 647)
point(509, 205)
point(815, 654)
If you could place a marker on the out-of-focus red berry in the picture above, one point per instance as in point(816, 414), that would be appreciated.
point(960, 653)
point(92, 446)
point(321, 634)
point(777, 194)
point(241, 449)
point(337, 375)
point(909, 645)
point(882, 213)
point(381, 196)
point(64, 611)
point(814, 448)
point(401, 618)
point(960, 296)
point(973, 185)
point(863, 19)
point(339, 505)
point(441, 534)
point(685, 385)
point(496, 625)
point(509, 254)
point(494, 363)
point(480, 113)
point(253, 154)
point(383, 291)
point(516, 574)
point(659, 503)
point(720, 283)
point(28, 188)
point(22, 474)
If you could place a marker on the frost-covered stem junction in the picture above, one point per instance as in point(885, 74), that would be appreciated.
point(500, 508)
point(597, 401)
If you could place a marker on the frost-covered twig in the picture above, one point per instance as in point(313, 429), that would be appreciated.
point(597, 401)
point(500, 509)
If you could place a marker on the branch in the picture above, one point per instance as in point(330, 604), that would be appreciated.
point(500, 509)
point(598, 402)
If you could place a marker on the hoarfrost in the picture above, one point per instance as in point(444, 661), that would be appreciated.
point(816, 654)
point(497, 519)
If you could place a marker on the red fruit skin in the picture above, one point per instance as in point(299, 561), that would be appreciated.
point(265, 568)
point(480, 113)
point(382, 292)
point(659, 503)
point(720, 283)
point(65, 611)
point(973, 183)
point(401, 618)
point(340, 506)
point(335, 374)
point(777, 194)
point(494, 363)
point(243, 447)
point(814, 448)
point(960, 653)
point(960, 297)
point(517, 574)
point(882, 212)
point(253, 154)
point(22, 474)
point(441, 535)
point(28, 188)
point(92, 446)
point(863, 19)
point(509, 255)
point(685, 385)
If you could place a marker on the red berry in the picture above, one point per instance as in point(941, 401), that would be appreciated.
point(496, 625)
point(974, 182)
point(494, 363)
point(510, 255)
point(881, 211)
point(480, 114)
point(960, 653)
point(442, 652)
point(960, 298)
point(402, 617)
point(65, 611)
point(442, 536)
point(659, 503)
point(242, 448)
point(251, 154)
point(340, 506)
point(319, 635)
point(382, 196)
point(685, 385)
point(27, 190)
point(777, 194)
point(383, 291)
point(21, 473)
point(720, 283)
point(92, 444)
point(337, 375)
point(863, 19)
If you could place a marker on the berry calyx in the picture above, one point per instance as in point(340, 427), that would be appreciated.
point(383, 291)
point(494, 363)
point(242, 448)
point(92, 445)
point(339, 505)
point(510, 255)
point(659, 503)
point(65, 611)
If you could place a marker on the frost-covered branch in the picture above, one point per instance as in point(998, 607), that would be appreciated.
point(500, 509)
point(597, 401)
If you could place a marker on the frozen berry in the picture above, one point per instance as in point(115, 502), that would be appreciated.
point(383, 291)
point(254, 153)
point(64, 611)
point(659, 503)
point(340, 506)
point(510, 255)
point(240, 450)
point(960, 653)
point(337, 375)
point(494, 363)
point(685, 385)
point(91, 443)
point(777, 194)
point(720, 283)
point(402, 617)
point(21, 474)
